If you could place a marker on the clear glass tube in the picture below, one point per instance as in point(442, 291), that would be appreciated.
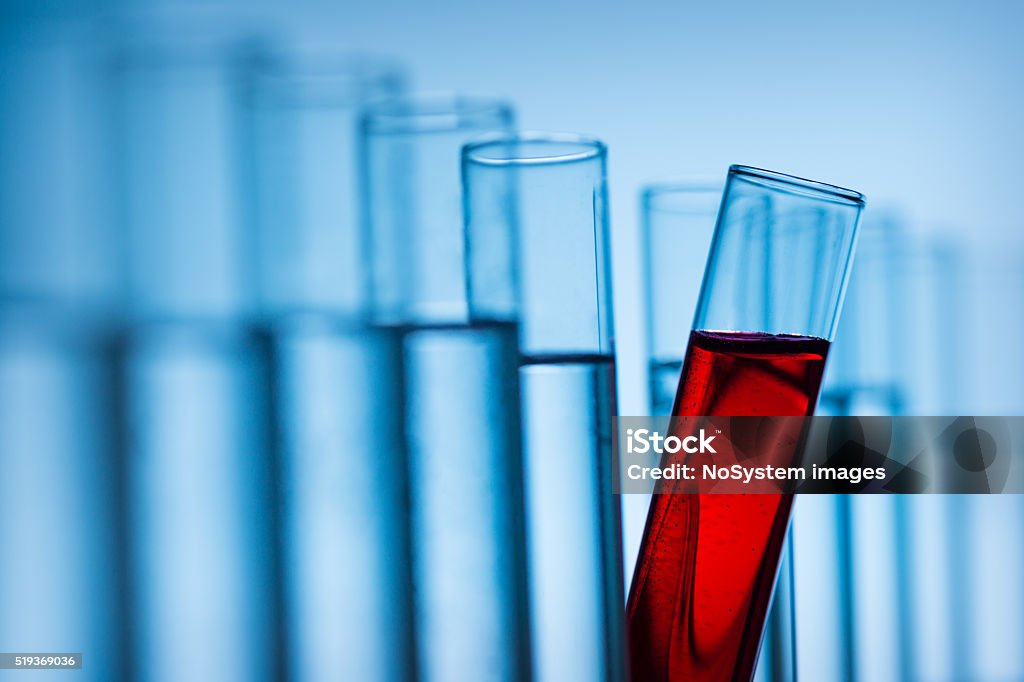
point(461, 392)
point(57, 242)
point(768, 308)
point(677, 221)
point(178, 159)
point(60, 488)
point(200, 503)
point(537, 241)
point(777, 661)
point(863, 379)
point(864, 370)
point(463, 425)
point(337, 384)
point(302, 120)
point(344, 531)
point(201, 494)
point(414, 202)
point(886, 360)
point(60, 493)
point(930, 577)
point(769, 222)
point(984, 550)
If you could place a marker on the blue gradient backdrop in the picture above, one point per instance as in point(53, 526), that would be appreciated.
point(916, 104)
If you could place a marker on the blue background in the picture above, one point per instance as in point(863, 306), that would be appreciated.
point(915, 104)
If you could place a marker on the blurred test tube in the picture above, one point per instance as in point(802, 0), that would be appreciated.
point(337, 379)
point(195, 375)
point(864, 379)
point(935, 585)
point(677, 222)
point(200, 503)
point(303, 110)
point(61, 567)
point(899, 352)
point(538, 247)
point(850, 622)
point(987, 536)
point(461, 392)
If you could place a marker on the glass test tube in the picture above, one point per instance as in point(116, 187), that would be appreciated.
point(57, 243)
point(537, 240)
point(768, 308)
point(200, 503)
point(60, 580)
point(966, 590)
point(60, 496)
point(195, 376)
point(461, 391)
point(993, 526)
point(303, 112)
point(178, 162)
point(336, 378)
point(841, 588)
point(677, 221)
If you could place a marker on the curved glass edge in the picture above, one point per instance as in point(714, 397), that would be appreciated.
point(801, 187)
point(682, 196)
point(587, 150)
point(562, 148)
point(155, 39)
point(796, 185)
point(437, 112)
point(315, 74)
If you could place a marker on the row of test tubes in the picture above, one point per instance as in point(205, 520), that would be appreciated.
point(338, 403)
point(292, 382)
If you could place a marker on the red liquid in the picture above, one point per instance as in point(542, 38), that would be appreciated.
point(707, 564)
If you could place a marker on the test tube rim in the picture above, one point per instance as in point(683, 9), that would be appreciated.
point(590, 148)
point(314, 71)
point(652, 193)
point(437, 112)
point(793, 184)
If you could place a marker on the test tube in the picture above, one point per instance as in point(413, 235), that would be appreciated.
point(336, 378)
point(61, 573)
point(677, 221)
point(769, 304)
point(194, 374)
point(968, 592)
point(461, 391)
point(303, 110)
point(844, 630)
point(60, 494)
point(537, 241)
